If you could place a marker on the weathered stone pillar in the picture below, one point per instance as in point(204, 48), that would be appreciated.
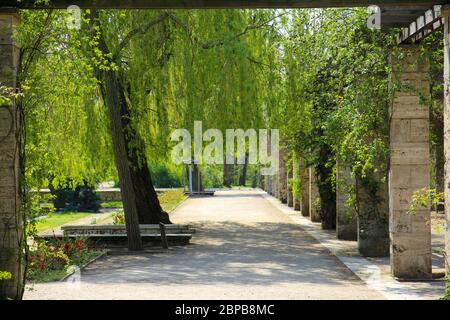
point(409, 170)
point(296, 194)
point(346, 215)
point(304, 183)
point(275, 185)
point(269, 184)
point(313, 196)
point(282, 176)
point(373, 215)
point(446, 14)
point(289, 177)
point(10, 172)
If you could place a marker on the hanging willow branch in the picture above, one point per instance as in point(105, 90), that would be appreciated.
point(184, 26)
point(219, 42)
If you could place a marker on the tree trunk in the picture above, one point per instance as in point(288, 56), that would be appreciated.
point(147, 202)
point(140, 184)
point(114, 99)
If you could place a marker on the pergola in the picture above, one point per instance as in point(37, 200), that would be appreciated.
point(418, 16)
point(410, 236)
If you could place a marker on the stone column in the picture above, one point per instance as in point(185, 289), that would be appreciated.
point(313, 196)
point(269, 184)
point(304, 182)
point(275, 185)
point(446, 15)
point(289, 177)
point(409, 170)
point(282, 184)
point(10, 172)
point(346, 216)
point(296, 194)
point(373, 215)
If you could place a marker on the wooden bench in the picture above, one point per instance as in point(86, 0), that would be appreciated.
point(116, 235)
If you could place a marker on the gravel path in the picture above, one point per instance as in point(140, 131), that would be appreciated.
point(245, 248)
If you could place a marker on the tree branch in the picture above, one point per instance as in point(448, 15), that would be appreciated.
point(219, 42)
point(141, 29)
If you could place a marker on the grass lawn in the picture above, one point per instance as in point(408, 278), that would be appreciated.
point(49, 276)
point(169, 200)
point(112, 204)
point(55, 220)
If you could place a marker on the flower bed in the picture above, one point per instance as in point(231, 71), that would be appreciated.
point(50, 260)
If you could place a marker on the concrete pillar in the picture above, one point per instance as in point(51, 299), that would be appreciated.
point(282, 181)
point(446, 15)
point(313, 196)
point(304, 183)
point(296, 194)
point(346, 215)
point(275, 183)
point(373, 215)
point(289, 181)
point(409, 170)
point(10, 172)
point(269, 184)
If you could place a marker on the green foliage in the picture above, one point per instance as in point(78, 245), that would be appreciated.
point(425, 198)
point(5, 275)
point(81, 198)
point(165, 176)
point(112, 204)
point(118, 218)
point(447, 289)
point(335, 93)
point(296, 186)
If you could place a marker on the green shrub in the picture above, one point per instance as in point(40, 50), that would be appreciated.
point(164, 176)
point(5, 275)
point(81, 198)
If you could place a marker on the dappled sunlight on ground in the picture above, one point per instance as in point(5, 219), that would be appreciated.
point(244, 248)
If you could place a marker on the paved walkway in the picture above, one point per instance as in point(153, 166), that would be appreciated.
point(245, 248)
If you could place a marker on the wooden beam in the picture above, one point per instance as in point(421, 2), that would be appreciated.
point(422, 26)
point(148, 4)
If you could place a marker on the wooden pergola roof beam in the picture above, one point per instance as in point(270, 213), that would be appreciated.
point(149, 4)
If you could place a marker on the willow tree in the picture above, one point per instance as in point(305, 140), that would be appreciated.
point(141, 204)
